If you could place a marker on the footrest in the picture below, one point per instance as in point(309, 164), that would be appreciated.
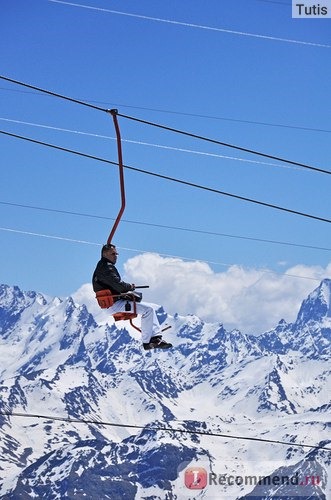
point(122, 316)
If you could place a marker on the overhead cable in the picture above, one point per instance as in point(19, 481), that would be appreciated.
point(164, 429)
point(142, 143)
point(137, 250)
point(191, 25)
point(215, 141)
point(170, 129)
point(55, 94)
point(163, 226)
point(173, 179)
point(193, 115)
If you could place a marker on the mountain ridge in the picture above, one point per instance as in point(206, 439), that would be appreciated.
point(56, 357)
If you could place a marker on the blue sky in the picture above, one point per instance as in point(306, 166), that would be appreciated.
point(205, 72)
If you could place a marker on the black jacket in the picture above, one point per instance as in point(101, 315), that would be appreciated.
point(106, 276)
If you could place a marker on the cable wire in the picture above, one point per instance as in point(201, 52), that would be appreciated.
point(193, 115)
point(170, 129)
point(55, 94)
point(173, 179)
point(143, 143)
point(191, 25)
point(215, 141)
point(165, 429)
point(163, 226)
point(138, 250)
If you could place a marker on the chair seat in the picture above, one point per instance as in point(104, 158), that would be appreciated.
point(122, 316)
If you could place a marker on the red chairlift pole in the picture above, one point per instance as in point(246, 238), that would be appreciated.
point(122, 315)
point(114, 112)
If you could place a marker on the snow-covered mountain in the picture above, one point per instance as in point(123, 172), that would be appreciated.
point(85, 412)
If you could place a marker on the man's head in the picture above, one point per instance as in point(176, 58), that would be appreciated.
point(109, 252)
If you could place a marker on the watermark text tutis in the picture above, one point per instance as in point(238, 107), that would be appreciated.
point(311, 10)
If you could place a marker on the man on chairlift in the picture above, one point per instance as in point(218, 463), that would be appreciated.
point(107, 277)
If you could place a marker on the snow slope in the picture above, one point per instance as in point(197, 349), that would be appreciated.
point(148, 414)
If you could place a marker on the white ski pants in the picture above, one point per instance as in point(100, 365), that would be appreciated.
point(150, 325)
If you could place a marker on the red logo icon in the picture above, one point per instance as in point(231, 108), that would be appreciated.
point(195, 478)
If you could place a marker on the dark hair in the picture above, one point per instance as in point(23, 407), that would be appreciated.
point(106, 247)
